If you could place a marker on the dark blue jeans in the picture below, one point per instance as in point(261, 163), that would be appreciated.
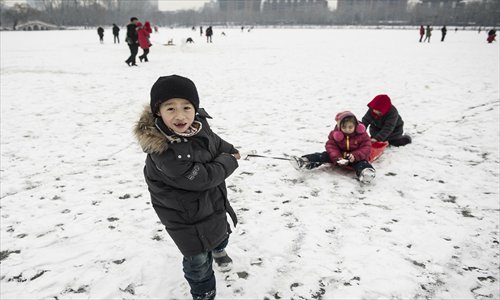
point(319, 158)
point(199, 273)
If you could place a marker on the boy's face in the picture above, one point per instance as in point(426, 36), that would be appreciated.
point(377, 112)
point(177, 114)
point(347, 127)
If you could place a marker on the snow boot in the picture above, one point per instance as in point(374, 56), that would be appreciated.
point(401, 141)
point(222, 260)
point(206, 296)
point(299, 162)
point(367, 175)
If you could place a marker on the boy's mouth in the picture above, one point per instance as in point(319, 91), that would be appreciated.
point(180, 125)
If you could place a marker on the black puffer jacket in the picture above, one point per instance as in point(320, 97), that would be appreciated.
point(185, 177)
point(387, 127)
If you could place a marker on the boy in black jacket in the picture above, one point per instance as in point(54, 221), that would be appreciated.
point(186, 168)
point(384, 122)
point(132, 40)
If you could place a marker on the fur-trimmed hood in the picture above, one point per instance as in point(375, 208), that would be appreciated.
point(148, 136)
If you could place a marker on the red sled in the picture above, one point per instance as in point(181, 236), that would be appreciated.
point(377, 150)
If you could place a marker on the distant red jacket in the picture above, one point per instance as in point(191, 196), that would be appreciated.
point(358, 143)
point(143, 33)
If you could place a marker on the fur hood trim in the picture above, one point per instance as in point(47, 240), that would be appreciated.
point(151, 140)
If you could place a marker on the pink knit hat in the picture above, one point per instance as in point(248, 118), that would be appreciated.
point(338, 135)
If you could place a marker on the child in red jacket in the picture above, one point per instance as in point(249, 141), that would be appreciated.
point(348, 145)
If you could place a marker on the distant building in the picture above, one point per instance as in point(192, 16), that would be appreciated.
point(280, 5)
point(229, 6)
point(433, 12)
point(372, 11)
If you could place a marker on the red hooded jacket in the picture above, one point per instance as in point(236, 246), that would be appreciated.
point(357, 143)
point(143, 33)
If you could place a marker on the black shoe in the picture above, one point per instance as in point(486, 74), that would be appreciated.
point(134, 64)
point(140, 58)
point(127, 62)
point(402, 141)
point(146, 59)
point(206, 296)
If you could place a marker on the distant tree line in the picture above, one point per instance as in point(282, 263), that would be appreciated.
point(105, 12)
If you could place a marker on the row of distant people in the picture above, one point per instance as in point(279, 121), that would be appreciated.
point(427, 31)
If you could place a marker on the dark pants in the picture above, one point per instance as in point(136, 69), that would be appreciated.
point(319, 158)
point(396, 138)
point(134, 48)
point(116, 38)
point(199, 273)
point(144, 55)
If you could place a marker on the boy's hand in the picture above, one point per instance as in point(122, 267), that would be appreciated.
point(351, 157)
point(374, 140)
point(236, 155)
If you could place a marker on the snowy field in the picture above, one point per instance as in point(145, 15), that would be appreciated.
point(76, 218)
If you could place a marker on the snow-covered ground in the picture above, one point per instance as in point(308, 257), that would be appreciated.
point(76, 218)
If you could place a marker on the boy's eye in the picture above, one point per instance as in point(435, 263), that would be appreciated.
point(187, 107)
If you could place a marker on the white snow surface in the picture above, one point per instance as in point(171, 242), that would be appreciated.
point(76, 218)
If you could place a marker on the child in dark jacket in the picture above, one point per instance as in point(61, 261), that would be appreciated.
point(348, 145)
point(186, 167)
point(384, 122)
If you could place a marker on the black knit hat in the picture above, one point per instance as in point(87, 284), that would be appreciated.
point(173, 86)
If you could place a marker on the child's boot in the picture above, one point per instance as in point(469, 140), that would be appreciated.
point(403, 140)
point(367, 175)
point(206, 296)
point(222, 260)
point(299, 162)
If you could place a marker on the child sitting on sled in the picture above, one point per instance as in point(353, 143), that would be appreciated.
point(384, 122)
point(348, 145)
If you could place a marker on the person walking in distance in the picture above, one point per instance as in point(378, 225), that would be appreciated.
point(144, 42)
point(116, 31)
point(209, 34)
point(132, 41)
point(443, 33)
point(422, 32)
point(428, 33)
point(100, 32)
